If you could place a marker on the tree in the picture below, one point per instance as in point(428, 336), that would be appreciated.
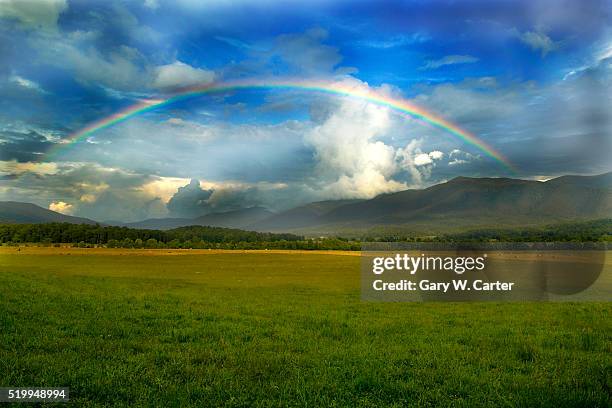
point(151, 243)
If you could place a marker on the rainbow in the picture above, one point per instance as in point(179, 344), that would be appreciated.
point(332, 88)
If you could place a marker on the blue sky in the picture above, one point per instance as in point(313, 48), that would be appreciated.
point(530, 78)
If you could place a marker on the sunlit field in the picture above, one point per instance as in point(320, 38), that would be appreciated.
point(210, 328)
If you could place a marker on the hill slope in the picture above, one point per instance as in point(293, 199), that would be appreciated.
point(14, 212)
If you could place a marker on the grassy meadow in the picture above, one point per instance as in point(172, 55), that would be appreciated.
point(279, 328)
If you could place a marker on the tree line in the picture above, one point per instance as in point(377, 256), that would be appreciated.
point(84, 235)
point(204, 237)
point(576, 231)
point(585, 231)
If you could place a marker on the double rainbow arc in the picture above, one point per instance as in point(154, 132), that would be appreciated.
point(339, 89)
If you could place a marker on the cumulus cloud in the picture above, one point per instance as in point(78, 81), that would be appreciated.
point(179, 74)
point(417, 163)
point(350, 159)
point(449, 60)
point(190, 201)
point(120, 67)
point(61, 207)
point(33, 14)
point(459, 157)
point(423, 159)
point(200, 198)
point(436, 155)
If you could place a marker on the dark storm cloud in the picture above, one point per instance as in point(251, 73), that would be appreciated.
point(190, 201)
point(23, 147)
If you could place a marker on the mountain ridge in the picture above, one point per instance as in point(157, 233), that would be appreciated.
point(16, 212)
point(461, 201)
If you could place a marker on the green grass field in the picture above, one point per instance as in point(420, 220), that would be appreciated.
point(129, 328)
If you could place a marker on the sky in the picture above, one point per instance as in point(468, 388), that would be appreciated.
point(531, 79)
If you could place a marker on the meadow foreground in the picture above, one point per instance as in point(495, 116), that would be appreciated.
point(210, 328)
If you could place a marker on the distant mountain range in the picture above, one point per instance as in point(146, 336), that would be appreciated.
point(462, 202)
point(457, 204)
point(230, 219)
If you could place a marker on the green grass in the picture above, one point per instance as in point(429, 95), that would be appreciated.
point(282, 330)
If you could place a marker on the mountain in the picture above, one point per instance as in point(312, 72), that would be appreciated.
point(459, 203)
point(230, 219)
point(235, 219)
point(14, 212)
point(300, 217)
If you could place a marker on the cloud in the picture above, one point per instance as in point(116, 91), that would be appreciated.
point(61, 207)
point(93, 191)
point(306, 52)
point(190, 201)
point(423, 159)
point(395, 41)
point(449, 60)
point(459, 157)
point(152, 4)
point(122, 68)
point(198, 198)
point(33, 14)
point(351, 162)
point(15, 168)
point(436, 155)
point(26, 83)
point(179, 74)
point(164, 187)
point(234, 42)
point(538, 41)
point(23, 146)
point(417, 163)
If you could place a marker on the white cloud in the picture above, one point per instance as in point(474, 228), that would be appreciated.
point(458, 157)
point(456, 162)
point(179, 74)
point(418, 164)
point(436, 155)
point(124, 69)
point(350, 159)
point(422, 159)
point(152, 4)
point(34, 14)
point(26, 83)
point(538, 41)
point(395, 41)
point(450, 60)
point(61, 207)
